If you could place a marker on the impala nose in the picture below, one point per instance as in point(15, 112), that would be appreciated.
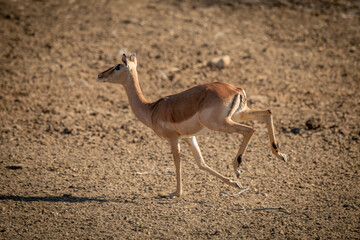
point(100, 78)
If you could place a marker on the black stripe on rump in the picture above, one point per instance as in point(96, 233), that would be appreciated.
point(233, 103)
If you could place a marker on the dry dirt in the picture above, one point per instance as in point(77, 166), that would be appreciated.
point(75, 163)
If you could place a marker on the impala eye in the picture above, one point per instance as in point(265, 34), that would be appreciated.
point(117, 67)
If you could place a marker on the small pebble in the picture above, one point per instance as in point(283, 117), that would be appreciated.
point(220, 62)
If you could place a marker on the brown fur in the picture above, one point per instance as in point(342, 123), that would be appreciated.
point(185, 114)
point(180, 107)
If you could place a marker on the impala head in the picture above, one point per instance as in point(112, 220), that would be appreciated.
point(120, 72)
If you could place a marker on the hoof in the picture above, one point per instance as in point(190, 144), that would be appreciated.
point(174, 195)
point(283, 157)
point(237, 185)
point(238, 173)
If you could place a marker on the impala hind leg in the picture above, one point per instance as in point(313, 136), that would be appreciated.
point(229, 126)
point(266, 117)
point(175, 149)
point(194, 147)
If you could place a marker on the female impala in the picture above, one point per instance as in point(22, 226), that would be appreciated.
point(210, 106)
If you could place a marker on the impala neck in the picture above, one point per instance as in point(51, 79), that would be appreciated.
point(138, 103)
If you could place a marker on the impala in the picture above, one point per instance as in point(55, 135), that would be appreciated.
point(214, 106)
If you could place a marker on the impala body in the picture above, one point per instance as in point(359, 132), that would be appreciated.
point(213, 106)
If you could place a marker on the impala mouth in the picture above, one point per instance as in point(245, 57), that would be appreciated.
point(101, 77)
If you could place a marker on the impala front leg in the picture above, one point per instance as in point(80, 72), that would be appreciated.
point(239, 156)
point(175, 149)
point(194, 147)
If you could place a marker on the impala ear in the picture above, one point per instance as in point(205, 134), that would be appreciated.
point(124, 59)
point(133, 59)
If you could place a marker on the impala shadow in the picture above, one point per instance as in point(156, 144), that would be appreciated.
point(64, 198)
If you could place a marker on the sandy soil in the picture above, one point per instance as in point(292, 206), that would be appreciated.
point(75, 163)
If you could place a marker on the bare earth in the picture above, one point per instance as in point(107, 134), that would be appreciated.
point(75, 163)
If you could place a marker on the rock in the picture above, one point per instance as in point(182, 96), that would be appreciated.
point(174, 77)
point(163, 75)
point(262, 78)
point(313, 123)
point(220, 62)
point(14, 167)
point(6, 130)
point(295, 130)
point(66, 131)
point(258, 99)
